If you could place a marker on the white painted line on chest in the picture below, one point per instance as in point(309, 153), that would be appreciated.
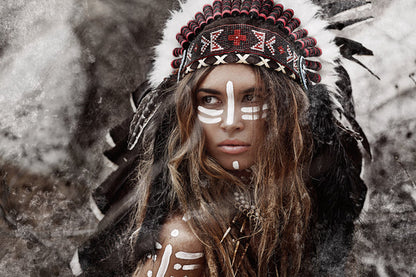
point(189, 256)
point(165, 261)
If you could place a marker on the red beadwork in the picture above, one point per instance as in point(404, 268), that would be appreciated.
point(209, 14)
point(186, 33)
point(298, 34)
point(217, 7)
point(237, 37)
point(314, 77)
point(313, 65)
point(292, 25)
point(182, 41)
point(235, 9)
point(193, 26)
point(306, 42)
point(177, 52)
point(266, 9)
point(255, 9)
point(226, 8)
point(285, 17)
point(200, 19)
point(275, 14)
point(245, 7)
point(312, 52)
point(176, 63)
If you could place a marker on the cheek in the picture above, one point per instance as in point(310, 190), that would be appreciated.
point(209, 133)
point(257, 129)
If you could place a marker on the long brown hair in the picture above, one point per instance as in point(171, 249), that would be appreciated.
point(205, 191)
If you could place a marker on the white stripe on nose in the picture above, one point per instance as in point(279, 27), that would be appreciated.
point(230, 104)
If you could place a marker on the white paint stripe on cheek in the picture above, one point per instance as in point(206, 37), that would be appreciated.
point(230, 106)
point(210, 112)
point(250, 109)
point(207, 120)
point(250, 117)
point(189, 256)
point(165, 261)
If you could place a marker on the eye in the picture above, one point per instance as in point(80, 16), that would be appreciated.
point(252, 98)
point(210, 100)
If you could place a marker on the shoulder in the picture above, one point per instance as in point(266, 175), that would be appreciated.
point(178, 251)
point(177, 232)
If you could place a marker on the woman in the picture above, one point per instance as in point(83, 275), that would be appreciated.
point(251, 172)
point(232, 129)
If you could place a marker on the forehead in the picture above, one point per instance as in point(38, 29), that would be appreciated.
point(242, 76)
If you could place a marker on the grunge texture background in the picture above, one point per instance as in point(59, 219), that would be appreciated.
point(66, 70)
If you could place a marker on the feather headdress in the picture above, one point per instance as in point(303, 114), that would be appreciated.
point(301, 28)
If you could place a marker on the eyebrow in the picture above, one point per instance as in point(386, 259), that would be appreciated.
point(216, 92)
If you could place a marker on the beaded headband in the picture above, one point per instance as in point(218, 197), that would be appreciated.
point(257, 32)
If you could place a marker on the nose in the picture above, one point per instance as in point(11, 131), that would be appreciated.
point(236, 125)
point(232, 121)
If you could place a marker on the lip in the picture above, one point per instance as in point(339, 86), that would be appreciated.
point(233, 147)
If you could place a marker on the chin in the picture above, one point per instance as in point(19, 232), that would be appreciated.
point(241, 166)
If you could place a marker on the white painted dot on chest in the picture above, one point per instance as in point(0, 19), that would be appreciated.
point(174, 233)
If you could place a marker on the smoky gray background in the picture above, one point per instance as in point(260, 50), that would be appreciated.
point(66, 71)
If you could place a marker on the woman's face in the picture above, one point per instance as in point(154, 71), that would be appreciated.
point(232, 114)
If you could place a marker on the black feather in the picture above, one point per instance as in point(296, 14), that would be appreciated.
point(340, 25)
point(349, 47)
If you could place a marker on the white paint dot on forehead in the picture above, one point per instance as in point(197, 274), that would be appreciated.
point(175, 233)
point(230, 103)
point(158, 245)
point(207, 120)
point(236, 165)
point(210, 112)
point(177, 266)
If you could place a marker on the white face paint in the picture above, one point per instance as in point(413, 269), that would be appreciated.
point(230, 103)
point(253, 113)
point(236, 165)
point(191, 267)
point(174, 233)
point(213, 115)
point(207, 120)
point(189, 256)
point(165, 261)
